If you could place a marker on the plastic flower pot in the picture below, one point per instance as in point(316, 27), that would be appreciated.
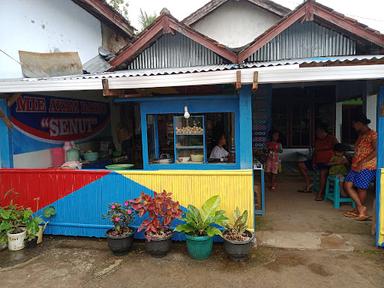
point(120, 244)
point(199, 247)
point(16, 240)
point(158, 247)
point(31, 243)
point(238, 250)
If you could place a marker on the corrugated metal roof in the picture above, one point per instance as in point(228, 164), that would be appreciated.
point(303, 40)
point(135, 73)
point(175, 51)
point(209, 68)
point(336, 59)
point(96, 65)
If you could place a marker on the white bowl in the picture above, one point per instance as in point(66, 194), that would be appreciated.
point(184, 159)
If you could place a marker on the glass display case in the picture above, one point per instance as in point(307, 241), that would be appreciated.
point(189, 140)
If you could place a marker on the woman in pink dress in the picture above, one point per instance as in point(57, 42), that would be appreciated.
point(272, 163)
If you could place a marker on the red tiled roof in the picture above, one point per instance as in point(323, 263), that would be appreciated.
point(309, 11)
point(214, 4)
point(163, 24)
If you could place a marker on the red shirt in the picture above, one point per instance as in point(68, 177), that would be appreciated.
point(324, 149)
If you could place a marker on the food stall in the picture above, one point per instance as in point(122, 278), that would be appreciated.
point(177, 134)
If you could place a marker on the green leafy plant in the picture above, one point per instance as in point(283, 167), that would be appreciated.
point(33, 223)
point(202, 222)
point(14, 218)
point(237, 230)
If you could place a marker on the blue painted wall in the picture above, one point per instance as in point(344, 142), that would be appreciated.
point(6, 158)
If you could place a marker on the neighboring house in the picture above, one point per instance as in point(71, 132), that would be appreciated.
point(58, 25)
point(243, 20)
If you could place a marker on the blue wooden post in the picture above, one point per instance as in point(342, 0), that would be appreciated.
point(380, 162)
point(245, 127)
point(6, 159)
point(144, 137)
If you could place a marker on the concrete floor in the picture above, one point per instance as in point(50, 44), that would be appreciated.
point(290, 214)
point(71, 262)
point(321, 249)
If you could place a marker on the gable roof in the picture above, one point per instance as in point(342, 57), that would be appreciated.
point(164, 24)
point(105, 13)
point(310, 11)
point(268, 5)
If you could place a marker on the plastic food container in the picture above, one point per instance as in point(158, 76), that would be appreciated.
point(197, 157)
point(91, 156)
point(184, 159)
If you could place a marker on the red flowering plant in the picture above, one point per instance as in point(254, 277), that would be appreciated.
point(121, 216)
point(161, 209)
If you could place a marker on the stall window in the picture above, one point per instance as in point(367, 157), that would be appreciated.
point(202, 138)
point(160, 138)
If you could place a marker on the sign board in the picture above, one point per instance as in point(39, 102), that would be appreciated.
point(53, 119)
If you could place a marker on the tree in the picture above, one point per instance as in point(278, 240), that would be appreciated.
point(120, 6)
point(146, 19)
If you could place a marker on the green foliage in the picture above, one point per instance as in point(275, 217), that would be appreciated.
point(146, 19)
point(200, 222)
point(120, 6)
point(32, 226)
point(49, 212)
point(236, 230)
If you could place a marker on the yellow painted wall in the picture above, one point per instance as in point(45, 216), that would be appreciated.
point(194, 187)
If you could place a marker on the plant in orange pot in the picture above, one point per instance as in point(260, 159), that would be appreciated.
point(160, 210)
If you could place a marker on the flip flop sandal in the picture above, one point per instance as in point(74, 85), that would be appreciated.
point(362, 218)
point(350, 214)
point(304, 191)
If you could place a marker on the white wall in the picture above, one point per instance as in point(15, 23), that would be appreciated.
point(235, 24)
point(339, 120)
point(372, 110)
point(45, 26)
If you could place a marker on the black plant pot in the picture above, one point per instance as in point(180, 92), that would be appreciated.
point(238, 250)
point(31, 243)
point(121, 244)
point(158, 247)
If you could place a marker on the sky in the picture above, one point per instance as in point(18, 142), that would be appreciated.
point(369, 12)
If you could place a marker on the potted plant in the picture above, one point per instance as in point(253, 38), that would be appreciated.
point(120, 237)
point(36, 225)
point(32, 228)
point(200, 227)
point(237, 239)
point(3, 235)
point(162, 210)
point(14, 218)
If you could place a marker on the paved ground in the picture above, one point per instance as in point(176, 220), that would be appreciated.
point(295, 220)
point(70, 262)
point(321, 249)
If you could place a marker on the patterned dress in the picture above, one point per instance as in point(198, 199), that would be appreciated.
point(361, 175)
point(273, 160)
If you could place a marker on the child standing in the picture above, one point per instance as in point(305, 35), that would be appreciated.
point(272, 163)
point(338, 165)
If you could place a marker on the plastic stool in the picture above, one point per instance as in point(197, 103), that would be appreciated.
point(332, 192)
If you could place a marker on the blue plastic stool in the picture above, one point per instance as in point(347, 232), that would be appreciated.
point(332, 192)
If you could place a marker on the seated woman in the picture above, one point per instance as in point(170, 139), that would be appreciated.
point(322, 154)
point(219, 153)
